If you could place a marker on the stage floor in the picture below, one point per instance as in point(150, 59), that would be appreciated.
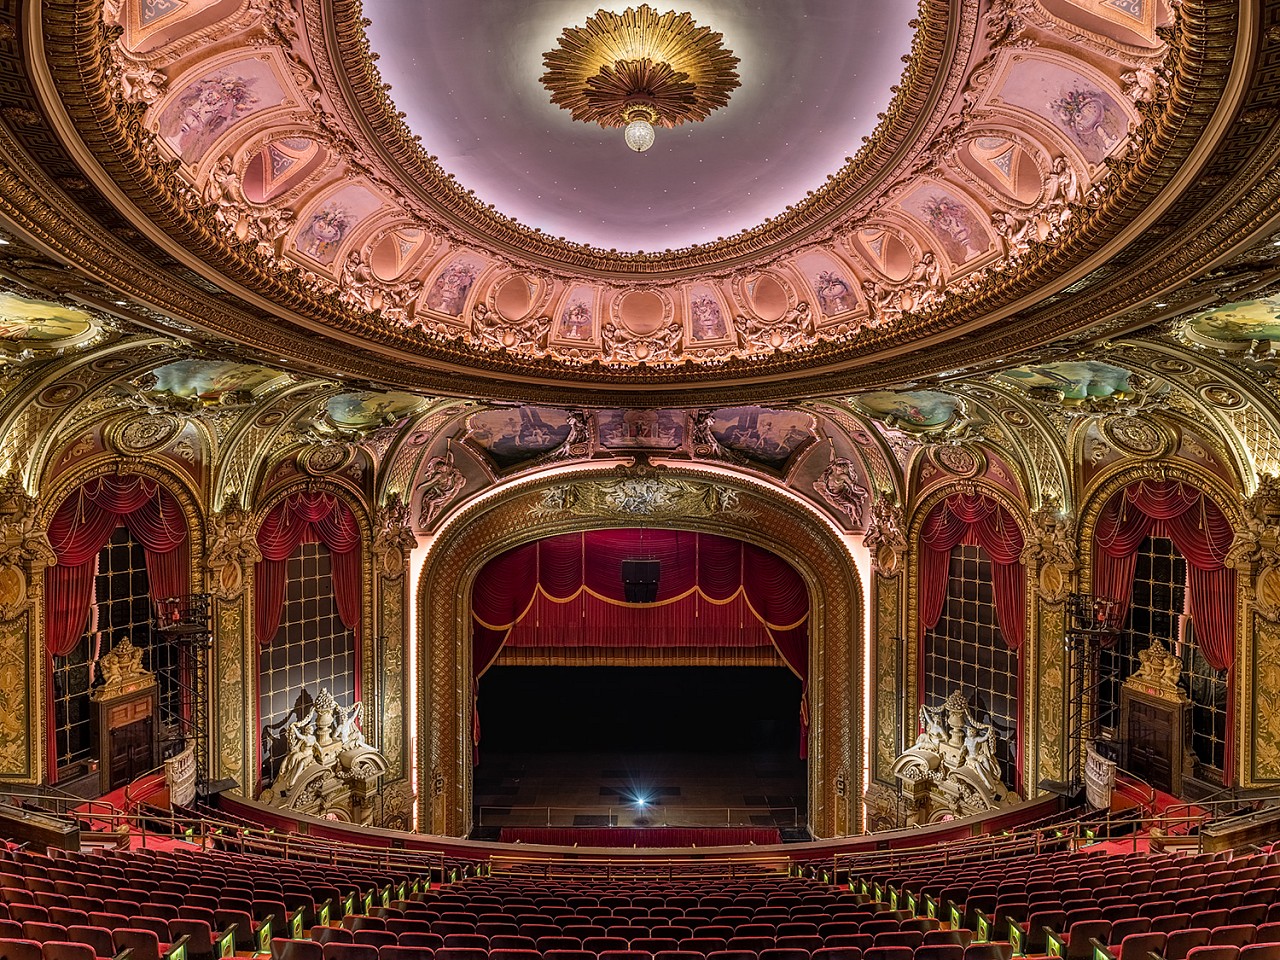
point(600, 789)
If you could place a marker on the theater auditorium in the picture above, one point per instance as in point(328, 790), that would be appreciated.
point(707, 480)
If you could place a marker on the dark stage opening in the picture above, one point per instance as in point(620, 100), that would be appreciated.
point(577, 746)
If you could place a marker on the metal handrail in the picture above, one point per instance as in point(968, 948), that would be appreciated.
point(210, 830)
point(63, 801)
point(652, 812)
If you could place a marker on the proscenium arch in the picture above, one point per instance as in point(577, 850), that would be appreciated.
point(761, 516)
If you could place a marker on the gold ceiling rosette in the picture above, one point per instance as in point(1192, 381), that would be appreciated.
point(638, 69)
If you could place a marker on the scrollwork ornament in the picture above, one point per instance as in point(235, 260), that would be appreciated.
point(145, 434)
point(1049, 551)
point(958, 460)
point(641, 491)
point(886, 536)
point(1138, 436)
point(24, 546)
point(393, 538)
point(319, 461)
point(233, 549)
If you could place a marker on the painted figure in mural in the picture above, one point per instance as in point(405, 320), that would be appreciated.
point(449, 293)
point(953, 224)
point(320, 238)
point(575, 322)
point(708, 322)
point(834, 293)
point(205, 109)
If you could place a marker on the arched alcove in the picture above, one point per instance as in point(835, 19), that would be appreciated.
point(667, 498)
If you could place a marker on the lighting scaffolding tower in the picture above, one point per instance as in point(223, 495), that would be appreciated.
point(183, 623)
point(1093, 623)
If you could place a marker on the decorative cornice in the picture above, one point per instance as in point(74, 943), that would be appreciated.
point(1201, 67)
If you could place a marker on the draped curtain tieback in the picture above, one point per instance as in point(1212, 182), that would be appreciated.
point(1202, 533)
point(307, 517)
point(81, 526)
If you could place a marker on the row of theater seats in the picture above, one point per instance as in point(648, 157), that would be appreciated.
point(1085, 907)
point(181, 905)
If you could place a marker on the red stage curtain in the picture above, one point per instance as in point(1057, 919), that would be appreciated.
point(307, 517)
point(79, 529)
point(570, 586)
point(974, 519)
point(1202, 533)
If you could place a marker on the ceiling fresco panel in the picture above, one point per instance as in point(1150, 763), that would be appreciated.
point(210, 105)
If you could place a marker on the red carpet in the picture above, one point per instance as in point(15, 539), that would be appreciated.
point(1156, 809)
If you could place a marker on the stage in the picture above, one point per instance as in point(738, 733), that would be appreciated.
point(765, 789)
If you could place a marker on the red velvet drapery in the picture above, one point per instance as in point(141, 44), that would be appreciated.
point(974, 519)
point(1202, 533)
point(307, 517)
point(713, 591)
point(80, 528)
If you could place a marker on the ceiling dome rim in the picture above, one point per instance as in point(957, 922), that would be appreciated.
point(934, 70)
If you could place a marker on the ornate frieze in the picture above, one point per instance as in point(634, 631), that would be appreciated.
point(640, 492)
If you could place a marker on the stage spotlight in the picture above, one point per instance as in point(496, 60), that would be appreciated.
point(642, 801)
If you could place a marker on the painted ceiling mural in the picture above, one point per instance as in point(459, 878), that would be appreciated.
point(319, 183)
point(843, 456)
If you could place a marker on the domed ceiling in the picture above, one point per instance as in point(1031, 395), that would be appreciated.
point(892, 194)
point(814, 74)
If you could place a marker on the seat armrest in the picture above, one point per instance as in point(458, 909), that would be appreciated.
point(224, 943)
point(178, 949)
point(264, 933)
point(1100, 950)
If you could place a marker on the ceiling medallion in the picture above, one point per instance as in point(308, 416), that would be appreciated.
point(638, 69)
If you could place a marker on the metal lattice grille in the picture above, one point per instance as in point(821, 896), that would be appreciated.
point(311, 649)
point(965, 651)
point(123, 609)
point(1158, 611)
